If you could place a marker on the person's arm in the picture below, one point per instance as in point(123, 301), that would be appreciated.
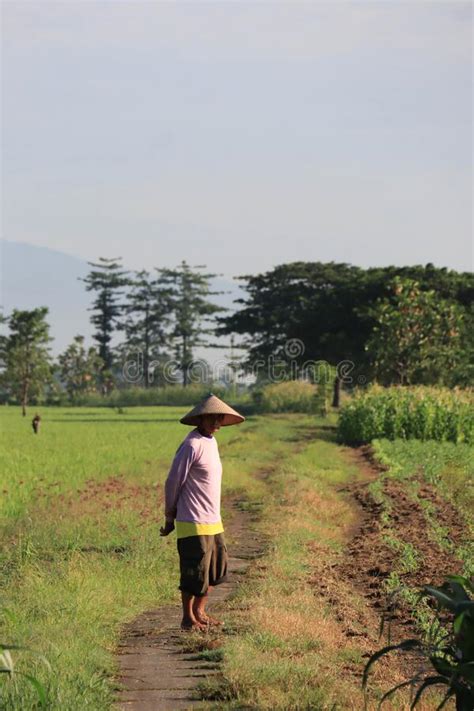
point(178, 473)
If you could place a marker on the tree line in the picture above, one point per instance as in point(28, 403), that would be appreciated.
point(405, 325)
point(159, 315)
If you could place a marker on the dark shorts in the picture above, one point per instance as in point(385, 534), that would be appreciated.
point(202, 562)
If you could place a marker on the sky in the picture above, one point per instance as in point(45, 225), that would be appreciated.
point(239, 135)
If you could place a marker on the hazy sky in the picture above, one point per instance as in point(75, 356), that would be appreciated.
point(240, 135)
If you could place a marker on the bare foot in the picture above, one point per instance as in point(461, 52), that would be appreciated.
point(208, 620)
point(188, 625)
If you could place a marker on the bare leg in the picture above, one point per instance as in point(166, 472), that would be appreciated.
point(189, 621)
point(199, 610)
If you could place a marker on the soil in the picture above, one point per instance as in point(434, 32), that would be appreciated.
point(157, 672)
point(98, 497)
point(367, 561)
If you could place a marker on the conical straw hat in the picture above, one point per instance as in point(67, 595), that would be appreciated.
point(212, 405)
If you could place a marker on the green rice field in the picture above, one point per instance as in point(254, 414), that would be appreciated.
point(81, 554)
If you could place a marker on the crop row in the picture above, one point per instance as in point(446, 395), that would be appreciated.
point(424, 413)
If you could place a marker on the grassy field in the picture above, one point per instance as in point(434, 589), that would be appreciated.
point(81, 555)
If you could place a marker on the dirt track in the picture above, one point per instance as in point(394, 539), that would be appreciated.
point(156, 673)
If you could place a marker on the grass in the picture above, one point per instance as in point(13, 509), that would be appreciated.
point(80, 552)
point(291, 651)
point(81, 555)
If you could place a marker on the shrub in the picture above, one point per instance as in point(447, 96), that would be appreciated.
point(289, 396)
point(172, 395)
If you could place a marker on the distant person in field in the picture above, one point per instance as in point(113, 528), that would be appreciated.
point(35, 422)
point(192, 505)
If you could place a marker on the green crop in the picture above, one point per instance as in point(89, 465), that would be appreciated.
point(451, 654)
point(424, 413)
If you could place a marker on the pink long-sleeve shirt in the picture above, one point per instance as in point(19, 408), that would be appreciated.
point(193, 485)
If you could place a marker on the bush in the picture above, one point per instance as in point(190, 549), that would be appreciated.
point(173, 395)
point(289, 396)
point(408, 413)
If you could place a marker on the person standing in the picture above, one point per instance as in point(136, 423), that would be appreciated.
point(192, 506)
point(35, 423)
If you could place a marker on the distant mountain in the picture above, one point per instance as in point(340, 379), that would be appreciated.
point(38, 276)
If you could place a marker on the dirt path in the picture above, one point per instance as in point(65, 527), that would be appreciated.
point(155, 672)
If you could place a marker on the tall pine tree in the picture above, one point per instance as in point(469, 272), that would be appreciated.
point(108, 280)
point(148, 317)
point(192, 311)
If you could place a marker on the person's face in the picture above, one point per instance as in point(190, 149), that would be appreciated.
point(210, 423)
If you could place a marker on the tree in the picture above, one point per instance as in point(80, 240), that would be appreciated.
point(107, 278)
point(233, 368)
point(189, 292)
point(80, 369)
point(306, 303)
point(25, 357)
point(3, 340)
point(416, 338)
point(148, 316)
point(463, 371)
point(326, 307)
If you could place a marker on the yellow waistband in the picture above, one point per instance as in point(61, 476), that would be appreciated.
point(184, 529)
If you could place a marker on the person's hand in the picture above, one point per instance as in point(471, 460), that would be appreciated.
point(167, 528)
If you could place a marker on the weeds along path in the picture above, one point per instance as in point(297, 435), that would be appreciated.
point(155, 671)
